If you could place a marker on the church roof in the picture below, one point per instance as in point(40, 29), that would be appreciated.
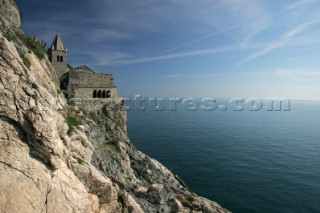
point(84, 69)
point(57, 43)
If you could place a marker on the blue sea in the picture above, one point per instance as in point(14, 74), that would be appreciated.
point(247, 161)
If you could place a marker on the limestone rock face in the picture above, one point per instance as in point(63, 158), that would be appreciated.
point(38, 171)
point(10, 15)
point(47, 166)
point(146, 180)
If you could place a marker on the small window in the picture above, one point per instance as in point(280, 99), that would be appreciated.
point(61, 58)
point(58, 58)
point(99, 94)
point(104, 94)
point(108, 94)
point(95, 94)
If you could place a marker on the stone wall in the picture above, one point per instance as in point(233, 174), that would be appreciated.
point(87, 93)
point(91, 80)
point(94, 104)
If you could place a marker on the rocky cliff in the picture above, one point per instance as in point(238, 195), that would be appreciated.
point(59, 158)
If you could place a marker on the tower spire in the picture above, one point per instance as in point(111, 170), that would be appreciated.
point(57, 43)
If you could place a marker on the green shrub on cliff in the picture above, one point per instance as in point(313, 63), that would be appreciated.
point(72, 123)
point(112, 144)
point(38, 47)
point(8, 36)
point(25, 60)
point(80, 161)
point(115, 144)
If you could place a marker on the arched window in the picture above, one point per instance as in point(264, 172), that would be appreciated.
point(58, 58)
point(95, 94)
point(99, 94)
point(61, 58)
point(104, 94)
point(108, 94)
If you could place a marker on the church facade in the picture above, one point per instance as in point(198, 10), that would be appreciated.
point(80, 82)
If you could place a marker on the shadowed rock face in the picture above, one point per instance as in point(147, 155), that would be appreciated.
point(45, 167)
point(11, 13)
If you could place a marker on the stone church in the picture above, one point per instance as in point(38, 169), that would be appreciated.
point(80, 82)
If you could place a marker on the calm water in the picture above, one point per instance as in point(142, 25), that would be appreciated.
point(247, 161)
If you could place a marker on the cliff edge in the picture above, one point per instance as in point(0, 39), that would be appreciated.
point(59, 158)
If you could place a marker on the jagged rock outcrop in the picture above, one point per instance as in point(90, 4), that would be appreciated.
point(48, 166)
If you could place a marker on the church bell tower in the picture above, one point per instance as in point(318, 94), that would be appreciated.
point(58, 56)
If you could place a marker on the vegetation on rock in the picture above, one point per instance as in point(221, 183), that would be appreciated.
point(72, 122)
point(8, 36)
point(25, 60)
point(38, 47)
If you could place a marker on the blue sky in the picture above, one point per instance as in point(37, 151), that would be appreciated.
point(189, 48)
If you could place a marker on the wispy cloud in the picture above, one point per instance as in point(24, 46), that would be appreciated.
point(245, 19)
point(295, 72)
point(294, 75)
point(282, 72)
point(242, 20)
point(260, 53)
point(301, 28)
point(252, 14)
point(200, 39)
point(109, 57)
point(282, 41)
point(187, 54)
point(298, 4)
